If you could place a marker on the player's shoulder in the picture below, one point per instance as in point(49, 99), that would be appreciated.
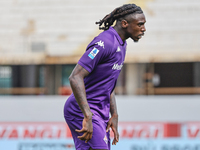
point(106, 38)
point(105, 41)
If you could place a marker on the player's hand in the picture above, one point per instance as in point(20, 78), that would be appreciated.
point(113, 124)
point(87, 130)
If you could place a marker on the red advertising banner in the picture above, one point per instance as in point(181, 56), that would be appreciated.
point(140, 130)
point(34, 130)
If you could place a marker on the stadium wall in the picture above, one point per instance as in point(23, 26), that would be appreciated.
point(130, 108)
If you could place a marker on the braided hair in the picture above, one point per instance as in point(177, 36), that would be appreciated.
point(118, 13)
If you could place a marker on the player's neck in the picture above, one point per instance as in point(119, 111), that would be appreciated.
point(121, 33)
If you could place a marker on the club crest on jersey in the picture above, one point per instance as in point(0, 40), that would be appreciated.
point(105, 139)
point(93, 53)
point(100, 43)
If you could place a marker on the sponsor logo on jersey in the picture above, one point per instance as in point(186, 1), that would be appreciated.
point(100, 43)
point(105, 139)
point(117, 67)
point(93, 53)
point(118, 49)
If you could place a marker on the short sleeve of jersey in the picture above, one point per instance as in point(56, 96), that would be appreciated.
point(96, 52)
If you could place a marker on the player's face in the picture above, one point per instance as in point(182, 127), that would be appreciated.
point(136, 27)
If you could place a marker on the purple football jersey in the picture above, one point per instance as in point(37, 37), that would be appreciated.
point(104, 58)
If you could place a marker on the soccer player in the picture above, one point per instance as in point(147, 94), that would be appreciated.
point(94, 78)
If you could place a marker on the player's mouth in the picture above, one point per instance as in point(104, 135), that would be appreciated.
point(140, 36)
point(137, 38)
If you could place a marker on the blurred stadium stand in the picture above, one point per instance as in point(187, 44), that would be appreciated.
point(42, 40)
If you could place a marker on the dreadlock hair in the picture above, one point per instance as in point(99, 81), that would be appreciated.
point(117, 13)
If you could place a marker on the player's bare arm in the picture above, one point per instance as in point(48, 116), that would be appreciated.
point(113, 122)
point(77, 84)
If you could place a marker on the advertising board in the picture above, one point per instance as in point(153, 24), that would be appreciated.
point(133, 136)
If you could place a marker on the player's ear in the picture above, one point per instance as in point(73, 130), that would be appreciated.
point(124, 23)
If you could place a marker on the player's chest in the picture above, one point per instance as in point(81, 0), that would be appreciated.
point(119, 53)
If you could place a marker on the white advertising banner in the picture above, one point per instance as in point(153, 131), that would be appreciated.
point(133, 136)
